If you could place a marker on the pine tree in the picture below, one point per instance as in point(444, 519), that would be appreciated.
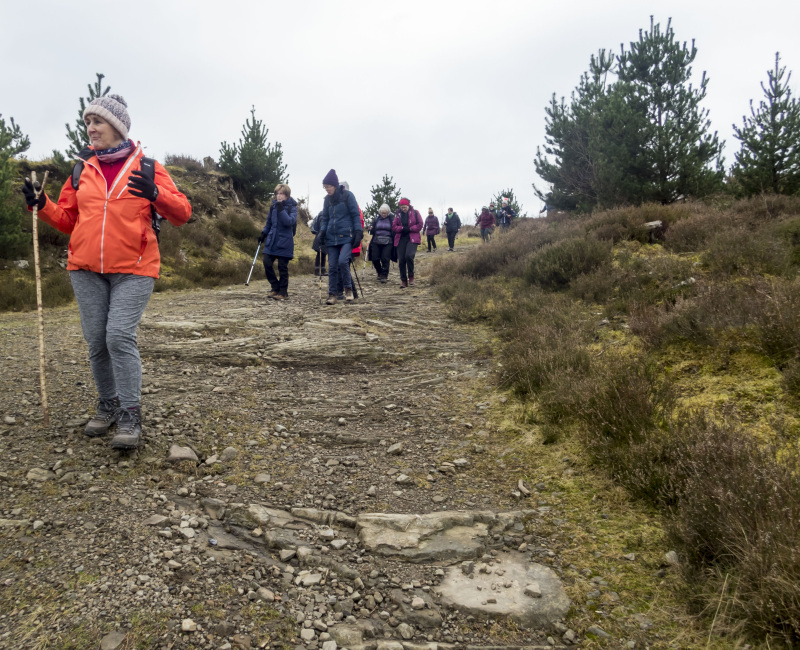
point(78, 138)
point(679, 152)
point(769, 158)
point(387, 192)
point(643, 137)
point(497, 199)
point(13, 241)
point(255, 166)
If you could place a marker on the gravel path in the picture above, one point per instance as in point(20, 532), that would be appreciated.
point(289, 405)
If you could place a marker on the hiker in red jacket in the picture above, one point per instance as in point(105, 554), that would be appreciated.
point(486, 223)
point(406, 228)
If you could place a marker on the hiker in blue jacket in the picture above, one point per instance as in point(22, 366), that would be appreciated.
point(278, 240)
point(341, 230)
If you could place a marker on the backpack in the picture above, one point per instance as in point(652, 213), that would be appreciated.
point(148, 169)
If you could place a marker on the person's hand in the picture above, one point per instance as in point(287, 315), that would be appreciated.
point(261, 238)
point(29, 190)
point(280, 205)
point(358, 235)
point(142, 186)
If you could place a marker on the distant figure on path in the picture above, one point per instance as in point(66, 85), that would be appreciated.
point(278, 239)
point(341, 230)
point(113, 259)
point(431, 229)
point(381, 243)
point(486, 223)
point(406, 227)
point(452, 224)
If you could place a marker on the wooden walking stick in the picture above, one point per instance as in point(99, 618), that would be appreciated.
point(42, 380)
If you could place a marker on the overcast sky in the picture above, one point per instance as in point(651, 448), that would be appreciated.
point(446, 96)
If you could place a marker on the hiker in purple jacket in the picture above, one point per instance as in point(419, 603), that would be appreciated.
point(406, 228)
point(486, 223)
point(431, 229)
point(380, 246)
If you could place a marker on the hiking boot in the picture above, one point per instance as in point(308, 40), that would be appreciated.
point(348, 294)
point(410, 282)
point(340, 296)
point(403, 284)
point(105, 417)
point(281, 296)
point(272, 294)
point(331, 299)
point(383, 280)
point(129, 429)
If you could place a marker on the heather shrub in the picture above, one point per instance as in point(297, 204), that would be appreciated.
point(189, 163)
point(554, 266)
point(738, 251)
point(737, 516)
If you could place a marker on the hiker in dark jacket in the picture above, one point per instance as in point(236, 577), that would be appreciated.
point(318, 247)
point(381, 243)
point(406, 227)
point(341, 230)
point(431, 229)
point(278, 239)
point(486, 223)
point(452, 224)
point(505, 215)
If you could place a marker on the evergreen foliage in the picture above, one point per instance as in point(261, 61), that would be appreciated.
point(387, 192)
point(13, 241)
point(643, 137)
point(255, 166)
point(497, 199)
point(78, 138)
point(769, 158)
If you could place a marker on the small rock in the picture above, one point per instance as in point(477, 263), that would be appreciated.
point(372, 491)
point(308, 634)
point(630, 557)
point(533, 590)
point(598, 631)
point(155, 520)
point(262, 478)
point(228, 454)
point(40, 475)
point(671, 558)
point(402, 479)
point(405, 631)
point(339, 544)
point(38, 524)
point(417, 603)
point(287, 554)
point(395, 450)
point(266, 595)
point(178, 454)
point(211, 460)
point(329, 645)
point(112, 641)
point(188, 625)
point(341, 422)
point(10, 419)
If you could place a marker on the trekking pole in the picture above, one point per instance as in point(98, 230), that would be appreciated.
point(355, 273)
point(42, 379)
point(255, 257)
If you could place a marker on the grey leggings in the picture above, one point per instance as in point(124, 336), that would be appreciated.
point(111, 306)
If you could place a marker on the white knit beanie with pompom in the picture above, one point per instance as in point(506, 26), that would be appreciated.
point(114, 110)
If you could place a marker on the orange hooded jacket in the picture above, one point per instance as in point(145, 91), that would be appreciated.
point(111, 229)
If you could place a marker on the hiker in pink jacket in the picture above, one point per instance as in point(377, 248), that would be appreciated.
point(406, 228)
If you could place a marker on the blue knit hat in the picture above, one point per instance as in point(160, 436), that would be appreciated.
point(331, 178)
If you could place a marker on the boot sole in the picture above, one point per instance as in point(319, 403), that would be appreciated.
point(122, 446)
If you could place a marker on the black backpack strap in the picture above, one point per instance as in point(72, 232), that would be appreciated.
point(77, 170)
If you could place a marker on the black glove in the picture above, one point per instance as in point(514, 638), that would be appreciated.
point(261, 238)
point(358, 235)
point(280, 205)
point(142, 186)
point(406, 231)
point(29, 190)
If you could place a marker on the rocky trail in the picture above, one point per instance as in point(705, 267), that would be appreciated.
point(313, 477)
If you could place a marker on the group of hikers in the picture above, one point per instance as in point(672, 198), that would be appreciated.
point(111, 207)
point(338, 233)
point(490, 216)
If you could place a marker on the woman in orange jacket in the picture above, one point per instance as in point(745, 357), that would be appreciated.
point(113, 258)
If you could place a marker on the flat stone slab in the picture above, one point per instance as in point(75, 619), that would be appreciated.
point(433, 537)
point(500, 593)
